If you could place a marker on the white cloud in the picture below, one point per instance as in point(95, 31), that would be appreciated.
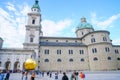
point(12, 24)
point(13, 20)
point(25, 9)
point(116, 41)
point(52, 28)
point(105, 23)
point(10, 7)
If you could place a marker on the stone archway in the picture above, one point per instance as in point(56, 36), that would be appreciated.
point(8, 65)
point(17, 66)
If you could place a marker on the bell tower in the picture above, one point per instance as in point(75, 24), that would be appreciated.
point(33, 27)
point(33, 30)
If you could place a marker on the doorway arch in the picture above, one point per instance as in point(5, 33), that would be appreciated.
point(17, 66)
point(8, 65)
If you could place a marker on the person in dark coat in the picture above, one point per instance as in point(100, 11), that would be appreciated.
point(7, 75)
point(64, 76)
point(32, 76)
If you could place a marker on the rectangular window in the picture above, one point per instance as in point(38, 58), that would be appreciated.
point(116, 51)
point(58, 51)
point(70, 51)
point(107, 49)
point(81, 51)
point(33, 21)
point(46, 51)
point(104, 39)
point(94, 50)
point(93, 40)
point(31, 39)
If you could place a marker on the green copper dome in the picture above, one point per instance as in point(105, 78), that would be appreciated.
point(84, 24)
point(36, 5)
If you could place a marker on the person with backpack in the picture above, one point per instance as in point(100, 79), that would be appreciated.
point(82, 75)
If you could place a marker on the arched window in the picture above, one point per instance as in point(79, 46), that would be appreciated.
point(82, 60)
point(95, 59)
point(109, 58)
point(118, 58)
point(71, 60)
point(46, 60)
point(58, 60)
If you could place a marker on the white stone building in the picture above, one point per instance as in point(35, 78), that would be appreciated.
point(89, 50)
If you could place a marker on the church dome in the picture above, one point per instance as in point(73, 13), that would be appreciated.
point(84, 24)
point(36, 5)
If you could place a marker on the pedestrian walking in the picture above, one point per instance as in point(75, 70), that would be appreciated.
point(32, 76)
point(24, 76)
point(76, 75)
point(65, 77)
point(50, 74)
point(56, 76)
point(82, 75)
point(73, 76)
point(42, 74)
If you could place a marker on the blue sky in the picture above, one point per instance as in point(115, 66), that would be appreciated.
point(59, 18)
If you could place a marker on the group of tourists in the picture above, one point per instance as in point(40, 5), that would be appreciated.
point(4, 75)
point(24, 76)
point(74, 76)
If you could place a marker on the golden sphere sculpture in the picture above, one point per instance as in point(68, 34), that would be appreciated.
point(30, 64)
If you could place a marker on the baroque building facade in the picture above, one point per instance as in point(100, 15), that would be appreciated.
point(90, 50)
